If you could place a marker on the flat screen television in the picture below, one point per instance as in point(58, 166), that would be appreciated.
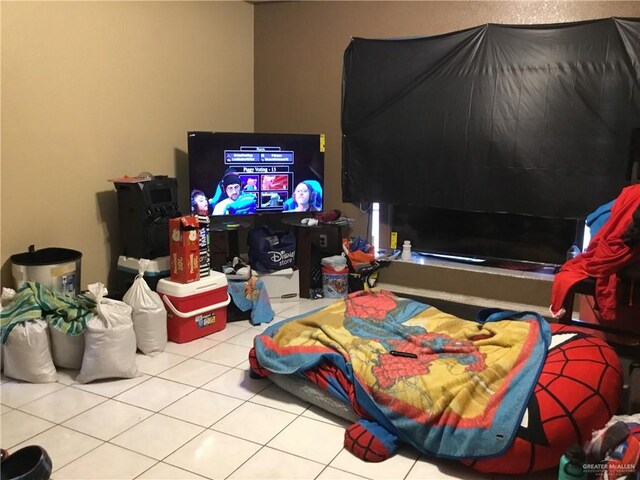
point(255, 173)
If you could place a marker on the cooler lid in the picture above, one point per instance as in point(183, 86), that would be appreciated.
point(206, 284)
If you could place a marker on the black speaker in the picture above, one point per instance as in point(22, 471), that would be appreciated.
point(144, 210)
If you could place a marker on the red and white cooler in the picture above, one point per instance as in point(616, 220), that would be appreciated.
point(195, 309)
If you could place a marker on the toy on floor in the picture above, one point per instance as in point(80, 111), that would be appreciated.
point(615, 449)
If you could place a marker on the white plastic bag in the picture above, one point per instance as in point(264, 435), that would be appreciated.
point(110, 341)
point(27, 353)
point(337, 262)
point(149, 314)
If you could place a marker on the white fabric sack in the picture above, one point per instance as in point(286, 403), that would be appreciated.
point(109, 341)
point(27, 353)
point(7, 296)
point(67, 350)
point(149, 314)
point(1, 347)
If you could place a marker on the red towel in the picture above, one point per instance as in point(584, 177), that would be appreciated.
point(605, 256)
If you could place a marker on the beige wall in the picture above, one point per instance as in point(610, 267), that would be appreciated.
point(299, 48)
point(95, 90)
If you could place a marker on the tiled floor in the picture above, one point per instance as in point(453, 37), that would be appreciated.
point(194, 413)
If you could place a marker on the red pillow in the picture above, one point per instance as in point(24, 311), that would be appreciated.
point(578, 391)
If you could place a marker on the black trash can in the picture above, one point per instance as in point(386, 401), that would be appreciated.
point(28, 463)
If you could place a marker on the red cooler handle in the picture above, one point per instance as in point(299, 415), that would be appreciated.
point(194, 312)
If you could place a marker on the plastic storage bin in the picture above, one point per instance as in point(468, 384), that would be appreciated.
point(335, 284)
point(195, 309)
point(128, 270)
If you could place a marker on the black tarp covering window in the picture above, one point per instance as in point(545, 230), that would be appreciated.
point(531, 120)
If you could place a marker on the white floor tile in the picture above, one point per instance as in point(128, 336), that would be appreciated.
point(202, 407)
point(392, 468)
point(62, 444)
point(161, 362)
point(213, 454)
point(63, 404)
point(194, 372)
point(280, 307)
point(112, 387)
point(243, 323)
point(163, 471)
point(444, 470)
point(155, 394)
point(236, 383)
point(190, 349)
point(271, 464)
point(225, 354)
point(310, 439)
point(107, 462)
point(331, 473)
point(244, 339)
point(18, 427)
point(263, 326)
point(16, 394)
point(274, 396)
point(305, 306)
point(157, 436)
point(108, 419)
point(229, 331)
point(254, 422)
point(244, 365)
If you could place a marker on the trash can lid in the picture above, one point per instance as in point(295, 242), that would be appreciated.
point(45, 256)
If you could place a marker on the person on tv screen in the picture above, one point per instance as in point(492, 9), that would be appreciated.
point(307, 197)
point(252, 184)
point(234, 203)
point(199, 203)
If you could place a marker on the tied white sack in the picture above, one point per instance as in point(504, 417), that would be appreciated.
point(67, 350)
point(149, 315)
point(109, 341)
point(27, 353)
point(5, 299)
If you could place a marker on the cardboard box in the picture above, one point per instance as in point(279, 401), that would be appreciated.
point(282, 285)
point(184, 254)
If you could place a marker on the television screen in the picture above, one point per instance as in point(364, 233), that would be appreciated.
point(255, 173)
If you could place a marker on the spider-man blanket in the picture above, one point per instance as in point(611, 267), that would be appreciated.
point(462, 396)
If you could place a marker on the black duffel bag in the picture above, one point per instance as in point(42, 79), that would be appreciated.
point(271, 250)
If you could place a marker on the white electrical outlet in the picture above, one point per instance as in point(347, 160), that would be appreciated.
point(323, 241)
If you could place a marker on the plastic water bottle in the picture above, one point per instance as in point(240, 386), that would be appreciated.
point(571, 464)
point(573, 251)
point(406, 250)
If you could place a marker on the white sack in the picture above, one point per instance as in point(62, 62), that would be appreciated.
point(27, 353)
point(1, 348)
point(67, 350)
point(7, 296)
point(149, 315)
point(109, 341)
